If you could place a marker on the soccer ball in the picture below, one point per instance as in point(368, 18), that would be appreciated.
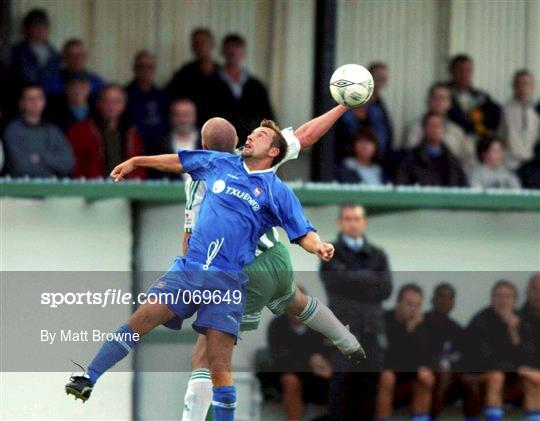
point(351, 85)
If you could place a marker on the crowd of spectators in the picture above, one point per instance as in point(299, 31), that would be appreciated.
point(464, 138)
point(426, 360)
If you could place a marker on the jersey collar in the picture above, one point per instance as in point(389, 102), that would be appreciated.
point(271, 169)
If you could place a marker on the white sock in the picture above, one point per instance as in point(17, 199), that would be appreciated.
point(198, 396)
point(320, 318)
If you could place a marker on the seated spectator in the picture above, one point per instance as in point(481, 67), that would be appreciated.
point(299, 356)
point(529, 173)
point(350, 123)
point(377, 112)
point(446, 339)
point(148, 105)
point(520, 123)
point(406, 358)
point(472, 109)
point(431, 163)
point(34, 148)
point(75, 59)
point(184, 134)
point(496, 339)
point(74, 105)
point(363, 167)
point(438, 102)
point(34, 59)
point(240, 97)
point(530, 370)
point(106, 139)
point(491, 172)
point(374, 115)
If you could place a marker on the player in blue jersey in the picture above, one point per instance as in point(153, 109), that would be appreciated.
point(245, 199)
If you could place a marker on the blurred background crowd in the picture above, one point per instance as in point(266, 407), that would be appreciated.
point(60, 119)
point(424, 360)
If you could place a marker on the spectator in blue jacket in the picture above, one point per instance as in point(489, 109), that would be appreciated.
point(34, 59)
point(34, 148)
point(148, 105)
point(75, 59)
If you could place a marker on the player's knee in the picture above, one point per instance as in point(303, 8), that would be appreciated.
point(290, 382)
point(297, 306)
point(387, 380)
point(144, 319)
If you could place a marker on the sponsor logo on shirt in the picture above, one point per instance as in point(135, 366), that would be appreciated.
point(220, 186)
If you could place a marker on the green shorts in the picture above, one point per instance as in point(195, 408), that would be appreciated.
point(271, 284)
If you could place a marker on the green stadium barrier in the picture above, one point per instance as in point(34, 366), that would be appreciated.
point(310, 194)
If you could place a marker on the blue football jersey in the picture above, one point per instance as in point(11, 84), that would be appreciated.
point(239, 206)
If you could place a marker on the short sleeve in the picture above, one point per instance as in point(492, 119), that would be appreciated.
point(288, 213)
point(197, 162)
point(195, 191)
point(293, 146)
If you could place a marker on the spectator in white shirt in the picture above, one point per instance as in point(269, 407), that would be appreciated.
point(520, 124)
point(439, 101)
point(492, 173)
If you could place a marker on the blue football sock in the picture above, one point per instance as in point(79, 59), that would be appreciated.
point(493, 413)
point(224, 403)
point(533, 415)
point(111, 352)
point(420, 417)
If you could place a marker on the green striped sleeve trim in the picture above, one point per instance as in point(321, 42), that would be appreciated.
point(191, 193)
point(253, 317)
point(308, 312)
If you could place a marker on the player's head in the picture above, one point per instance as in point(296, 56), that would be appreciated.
point(523, 85)
point(533, 292)
point(503, 296)
point(409, 302)
point(219, 135)
point(266, 143)
point(461, 70)
point(443, 298)
point(352, 220)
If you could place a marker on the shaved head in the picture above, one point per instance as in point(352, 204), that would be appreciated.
point(219, 135)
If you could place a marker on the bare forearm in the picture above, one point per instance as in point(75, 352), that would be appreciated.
point(165, 163)
point(310, 242)
point(309, 133)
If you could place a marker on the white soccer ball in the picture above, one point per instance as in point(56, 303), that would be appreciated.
point(351, 85)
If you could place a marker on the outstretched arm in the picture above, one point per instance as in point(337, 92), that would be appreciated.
point(312, 243)
point(165, 163)
point(309, 133)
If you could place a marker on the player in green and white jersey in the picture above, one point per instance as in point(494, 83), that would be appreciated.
point(271, 276)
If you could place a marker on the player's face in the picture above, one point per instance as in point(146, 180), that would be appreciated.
point(353, 222)
point(439, 101)
point(259, 144)
point(443, 302)
point(503, 299)
point(75, 57)
point(524, 87)
point(32, 102)
point(533, 293)
point(112, 104)
point(409, 306)
point(494, 156)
